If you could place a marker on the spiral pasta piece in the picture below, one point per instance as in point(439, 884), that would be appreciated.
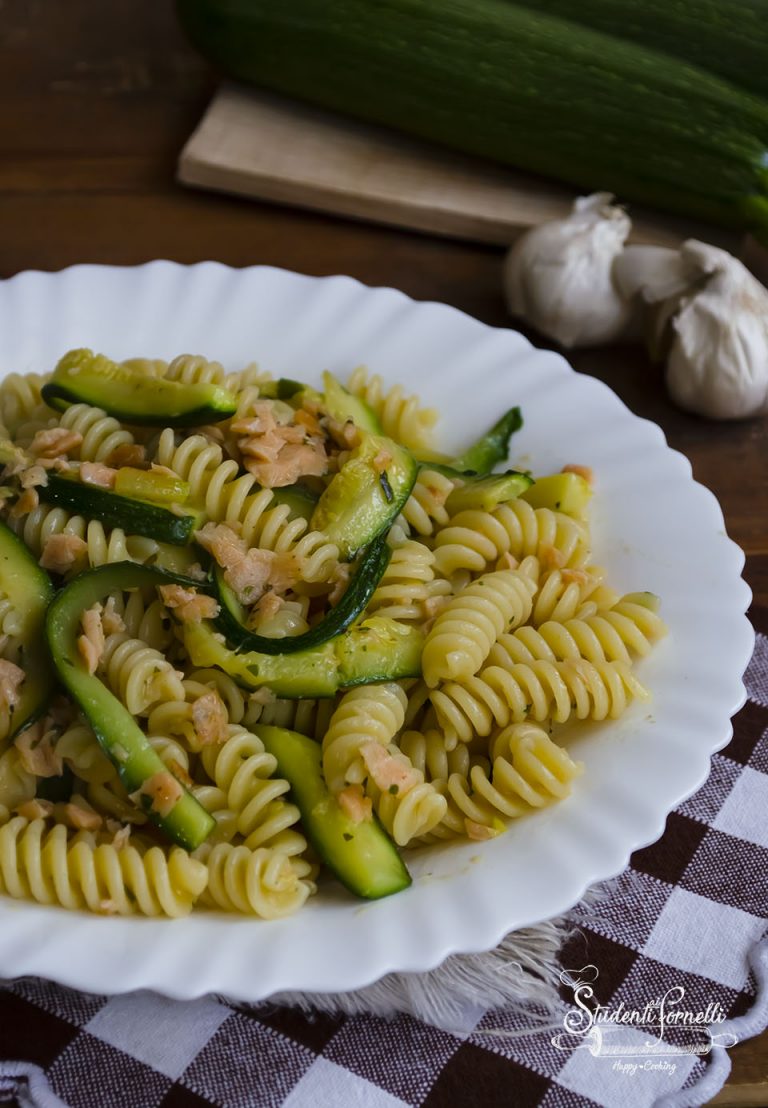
point(532, 772)
point(11, 624)
point(149, 367)
point(612, 635)
point(248, 377)
point(172, 754)
point(370, 713)
point(194, 369)
point(222, 684)
point(40, 418)
point(101, 433)
point(263, 882)
point(290, 619)
point(244, 771)
point(308, 717)
point(20, 398)
point(527, 766)
point(467, 628)
point(247, 384)
point(176, 716)
point(138, 674)
point(412, 811)
point(425, 509)
point(11, 619)
point(193, 458)
point(111, 800)
point(145, 617)
point(536, 690)
point(46, 866)
point(79, 749)
point(427, 752)
point(16, 784)
point(214, 800)
point(529, 771)
point(408, 584)
point(400, 416)
point(229, 497)
point(102, 546)
point(571, 594)
point(474, 539)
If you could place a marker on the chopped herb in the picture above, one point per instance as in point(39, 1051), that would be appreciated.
point(557, 504)
point(394, 790)
point(347, 837)
point(386, 488)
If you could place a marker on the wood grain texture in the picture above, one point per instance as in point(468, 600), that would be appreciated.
point(98, 100)
point(266, 146)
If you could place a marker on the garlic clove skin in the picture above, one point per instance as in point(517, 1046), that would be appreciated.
point(558, 276)
point(653, 272)
point(718, 361)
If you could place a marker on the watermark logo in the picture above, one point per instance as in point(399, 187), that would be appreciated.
point(667, 1026)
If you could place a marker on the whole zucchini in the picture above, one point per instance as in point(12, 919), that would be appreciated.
point(526, 89)
point(727, 37)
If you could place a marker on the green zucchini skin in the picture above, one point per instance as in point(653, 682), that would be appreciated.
point(507, 83)
point(376, 649)
point(342, 405)
point(138, 517)
point(726, 37)
point(31, 590)
point(300, 500)
point(486, 493)
point(361, 502)
point(284, 388)
point(359, 591)
point(82, 377)
point(361, 855)
point(119, 736)
point(491, 448)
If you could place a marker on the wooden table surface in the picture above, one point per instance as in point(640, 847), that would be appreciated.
point(98, 99)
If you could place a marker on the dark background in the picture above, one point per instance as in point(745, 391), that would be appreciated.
point(97, 98)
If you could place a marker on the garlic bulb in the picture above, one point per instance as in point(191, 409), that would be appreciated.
point(658, 277)
point(718, 363)
point(715, 314)
point(558, 276)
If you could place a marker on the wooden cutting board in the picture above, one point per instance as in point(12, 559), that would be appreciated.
point(261, 145)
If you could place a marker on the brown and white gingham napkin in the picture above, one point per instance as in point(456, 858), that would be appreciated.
point(690, 911)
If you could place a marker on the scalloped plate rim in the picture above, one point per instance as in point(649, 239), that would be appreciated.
point(392, 960)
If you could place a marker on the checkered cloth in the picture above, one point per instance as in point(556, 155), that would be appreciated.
point(689, 911)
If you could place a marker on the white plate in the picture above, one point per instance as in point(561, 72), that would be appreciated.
point(654, 528)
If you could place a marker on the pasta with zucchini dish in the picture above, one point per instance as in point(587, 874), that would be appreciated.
point(254, 632)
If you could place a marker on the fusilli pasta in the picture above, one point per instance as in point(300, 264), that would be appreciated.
point(531, 772)
point(103, 546)
point(408, 586)
point(48, 866)
point(513, 632)
point(425, 509)
point(20, 398)
point(245, 773)
point(140, 675)
point(401, 416)
point(372, 713)
point(262, 882)
point(537, 690)
point(466, 629)
point(475, 540)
